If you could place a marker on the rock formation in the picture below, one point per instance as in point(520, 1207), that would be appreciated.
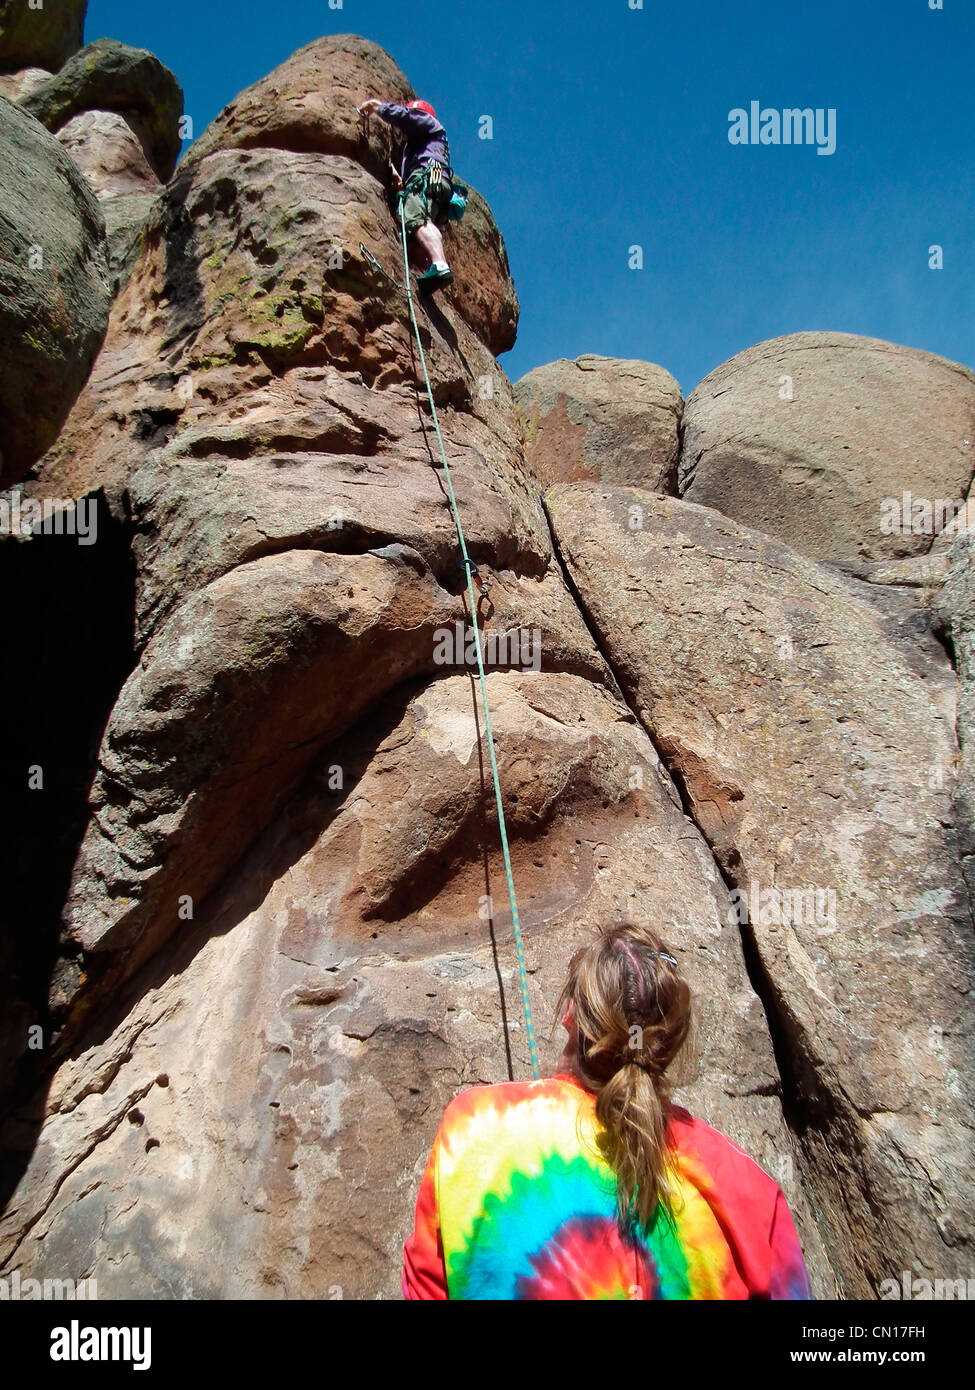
point(807, 436)
point(117, 111)
point(54, 292)
point(282, 940)
point(601, 420)
point(39, 37)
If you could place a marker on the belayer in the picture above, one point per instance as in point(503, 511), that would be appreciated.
point(591, 1184)
point(426, 181)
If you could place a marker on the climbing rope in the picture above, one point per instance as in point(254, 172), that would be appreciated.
point(468, 568)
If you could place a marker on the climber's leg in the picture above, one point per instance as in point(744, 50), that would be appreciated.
point(431, 242)
point(429, 239)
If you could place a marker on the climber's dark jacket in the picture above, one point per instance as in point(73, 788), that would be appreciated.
point(426, 139)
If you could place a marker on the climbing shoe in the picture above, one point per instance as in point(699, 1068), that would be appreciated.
point(436, 277)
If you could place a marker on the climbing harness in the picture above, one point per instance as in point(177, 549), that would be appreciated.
point(435, 180)
point(471, 573)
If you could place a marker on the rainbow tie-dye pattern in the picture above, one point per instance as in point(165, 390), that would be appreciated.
point(517, 1203)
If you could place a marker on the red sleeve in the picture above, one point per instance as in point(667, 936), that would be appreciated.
point(424, 1272)
point(788, 1277)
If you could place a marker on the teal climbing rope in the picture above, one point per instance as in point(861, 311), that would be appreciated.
point(516, 926)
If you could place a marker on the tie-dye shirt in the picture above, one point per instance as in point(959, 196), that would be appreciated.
point(516, 1202)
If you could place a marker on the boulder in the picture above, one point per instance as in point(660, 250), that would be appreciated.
point(15, 85)
point(109, 153)
point(54, 292)
point(41, 37)
point(601, 419)
point(110, 76)
point(850, 449)
point(811, 732)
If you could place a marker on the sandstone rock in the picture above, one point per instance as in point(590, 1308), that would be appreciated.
point(954, 606)
point(309, 105)
point(253, 674)
point(110, 76)
point(45, 37)
point(263, 1101)
point(601, 419)
point(15, 85)
point(814, 745)
point(54, 296)
point(254, 401)
point(867, 422)
point(109, 153)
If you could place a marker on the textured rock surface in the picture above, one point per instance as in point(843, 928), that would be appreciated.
point(286, 940)
point(284, 1120)
point(601, 420)
point(54, 295)
point(43, 38)
point(309, 104)
point(16, 85)
point(109, 153)
point(812, 737)
point(867, 421)
point(110, 76)
point(954, 606)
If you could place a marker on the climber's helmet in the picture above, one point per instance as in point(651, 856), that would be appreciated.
point(422, 106)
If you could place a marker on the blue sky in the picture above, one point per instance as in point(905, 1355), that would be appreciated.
point(611, 130)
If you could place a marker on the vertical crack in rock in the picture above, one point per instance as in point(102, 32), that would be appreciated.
point(795, 1103)
point(809, 733)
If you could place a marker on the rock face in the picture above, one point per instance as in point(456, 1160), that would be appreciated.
point(283, 941)
point(54, 296)
point(811, 734)
point(601, 420)
point(109, 154)
point(110, 76)
point(117, 111)
point(40, 37)
point(814, 437)
point(954, 606)
point(16, 85)
point(284, 1121)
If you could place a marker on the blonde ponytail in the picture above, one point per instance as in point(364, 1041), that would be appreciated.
point(631, 1017)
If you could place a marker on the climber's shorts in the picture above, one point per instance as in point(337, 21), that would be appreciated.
point(420, 208)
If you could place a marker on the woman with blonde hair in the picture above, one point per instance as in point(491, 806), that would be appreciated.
point(592, 1183)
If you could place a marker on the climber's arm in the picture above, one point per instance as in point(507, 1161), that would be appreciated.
point(412, 123)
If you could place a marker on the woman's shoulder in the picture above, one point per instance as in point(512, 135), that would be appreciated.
point(695, 1138)
point(548, 1091)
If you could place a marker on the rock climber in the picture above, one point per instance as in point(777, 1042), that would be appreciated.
point(424, 176)
point(591, 1183)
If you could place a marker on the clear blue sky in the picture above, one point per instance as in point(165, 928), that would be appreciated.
point(611, 130)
